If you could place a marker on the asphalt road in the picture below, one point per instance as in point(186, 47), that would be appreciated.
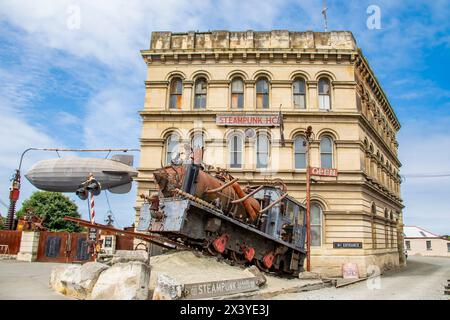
point(422, 279)
point(27, 281)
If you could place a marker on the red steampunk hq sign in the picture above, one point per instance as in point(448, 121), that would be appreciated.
point(248, 120)
point(323, 172)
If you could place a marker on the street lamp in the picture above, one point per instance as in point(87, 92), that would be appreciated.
point(309, 137)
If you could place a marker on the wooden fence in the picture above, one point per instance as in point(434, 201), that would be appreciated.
point(10, 241)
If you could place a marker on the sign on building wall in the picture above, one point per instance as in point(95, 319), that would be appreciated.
point(323, 172)
point(347, 245)
point(267, 120)
point(108, 242)
point(92, 234)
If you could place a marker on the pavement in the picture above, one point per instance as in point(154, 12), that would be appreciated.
point(27, 281)
point(422, 278)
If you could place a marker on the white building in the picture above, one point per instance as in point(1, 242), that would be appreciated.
point(421, 242)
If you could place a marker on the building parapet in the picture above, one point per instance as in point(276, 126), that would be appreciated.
point(251, 40)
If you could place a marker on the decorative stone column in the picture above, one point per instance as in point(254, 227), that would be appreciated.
point(28, 246)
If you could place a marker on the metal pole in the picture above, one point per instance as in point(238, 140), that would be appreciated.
point(308, 198)
point(89, 207)
point(308, 210)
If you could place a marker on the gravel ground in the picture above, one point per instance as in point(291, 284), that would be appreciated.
point(422, 279)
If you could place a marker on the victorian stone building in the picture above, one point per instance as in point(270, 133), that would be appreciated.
point(224, 90)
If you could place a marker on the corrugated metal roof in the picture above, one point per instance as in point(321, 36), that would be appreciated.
point(418, 232)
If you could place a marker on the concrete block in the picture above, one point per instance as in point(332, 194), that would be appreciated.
point(123, 281)
point(167, 288)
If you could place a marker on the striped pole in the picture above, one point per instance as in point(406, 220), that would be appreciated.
point(92, 212)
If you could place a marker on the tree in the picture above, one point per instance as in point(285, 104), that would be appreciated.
point(54, 206)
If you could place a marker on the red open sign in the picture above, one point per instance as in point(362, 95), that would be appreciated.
point(325, 172)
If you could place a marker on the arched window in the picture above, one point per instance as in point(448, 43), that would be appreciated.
point(198, 140)
point(235, 147)
point(324, 94)
point(326, 152)
point(237, 93)
point(262, 150)
point(172, 143)
point(316, 225)
point(176, 91)
point(262, 93)
point(373, 226)
point(200, 94)
point(300, 153)
point(386, 228)
point(299, 93)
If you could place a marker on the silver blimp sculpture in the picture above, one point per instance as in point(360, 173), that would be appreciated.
point(68, 174)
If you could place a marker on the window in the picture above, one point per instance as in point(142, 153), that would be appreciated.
point(176, 90)
point(299, 94)
point(197, 140)
point(326, 152)
point(300, 153)
point(429, 245)
point(324, 94)
point(172, 144)
point(408, 245)
point(448, 246)
point(262, 151)
point(373, 226)
point(316, 225)
point(237, 93)
point(200, 94)
point(262, 94)
point(235, 145)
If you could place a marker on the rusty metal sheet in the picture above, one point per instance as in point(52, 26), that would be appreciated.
point(144, 218)
point(174, 215)
point(211, 289)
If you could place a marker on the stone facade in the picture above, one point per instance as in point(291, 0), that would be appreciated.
point(319, 79)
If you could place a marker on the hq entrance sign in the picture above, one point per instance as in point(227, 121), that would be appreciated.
point(324, 172)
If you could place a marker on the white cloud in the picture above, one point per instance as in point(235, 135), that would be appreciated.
point(112, 119)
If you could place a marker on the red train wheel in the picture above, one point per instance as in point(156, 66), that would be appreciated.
point(237, 257)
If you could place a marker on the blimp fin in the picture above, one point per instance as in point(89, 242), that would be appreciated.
point(124, 158)
point(124, 188)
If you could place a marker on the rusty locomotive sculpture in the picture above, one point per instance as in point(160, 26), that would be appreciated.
point(207, 209)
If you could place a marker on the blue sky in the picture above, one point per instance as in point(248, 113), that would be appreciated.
point(83, 87)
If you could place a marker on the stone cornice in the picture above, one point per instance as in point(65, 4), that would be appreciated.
point(363, 67)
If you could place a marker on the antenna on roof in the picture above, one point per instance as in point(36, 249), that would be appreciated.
point(324, 13)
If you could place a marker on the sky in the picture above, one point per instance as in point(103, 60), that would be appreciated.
point(71, 76)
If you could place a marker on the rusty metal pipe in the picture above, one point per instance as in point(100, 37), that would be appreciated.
point(273, 203)
point(250, 208)
point(226, 185)
point(161, 241)
point(247, 196)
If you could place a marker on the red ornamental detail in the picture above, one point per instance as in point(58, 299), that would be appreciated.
point(268, 260)
point(221, 242)
point(92, 208)
point(14, 194)
point(249, 253)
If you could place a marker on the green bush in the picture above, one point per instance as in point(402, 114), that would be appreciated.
point(54, 206)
